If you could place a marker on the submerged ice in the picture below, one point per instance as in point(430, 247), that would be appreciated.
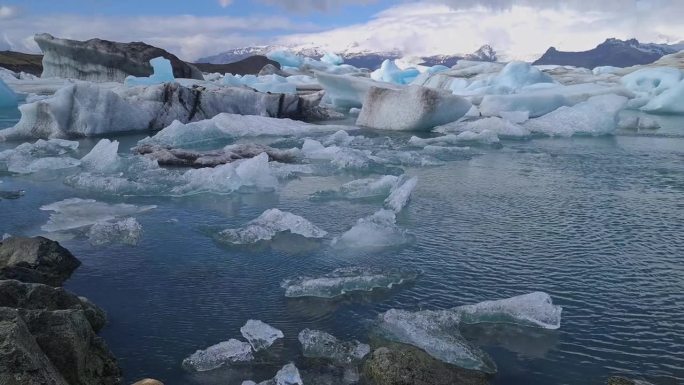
point(74, 213)
point(319, 344)
point(260, 334)
point(347, 280)
point(216, 356)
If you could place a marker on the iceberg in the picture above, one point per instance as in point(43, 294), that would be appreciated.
point(503, 128)
point(8, 98)
point(269, 224)
point(216, 356)
point(413, 108)
point(534, 309)
point(163, 73)
point(286, 58)
point(319, 344)
point(332, 58)
point(516, 75)
point(346, 280)
point(376, 231)
point(260, 335)
point(127, 231)
point(340, 157)
point(346, 91)
point(266, 83)
point(74, 213)
point(485, 137)
point(390, 73)
point(596, 116)
point(668, 102)
point(361, 189)
point(43, 155)
point(401, 193)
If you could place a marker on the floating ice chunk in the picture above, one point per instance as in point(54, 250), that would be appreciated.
point(268, 225)
point(127, 231)
point(376, 231)
point(7, 97)
point(597, 116)
point(103, 157)
point(288, 375)
point(670, 101)
point(649, 82)
point(163, 73)
point(361, 189)
point(516, 75)
point(414, 108)
point(534, 104)
point(435, 332)
point(341, 157)
point(346, 280)
point(286, 58)
point(319, 344)
point(260, 335)
point(534, 309)
point(75, 213)
point(216, 356)
point(227, 127)
point(390, 73)
point(42, 155)
point(501, 127)
point(344, 91)
point(606, 70)
point(401, 193)
point(332, 58)
point(485, 136)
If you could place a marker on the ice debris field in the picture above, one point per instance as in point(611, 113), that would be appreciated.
point(231, 137)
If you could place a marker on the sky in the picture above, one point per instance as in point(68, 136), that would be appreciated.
point(517, 29)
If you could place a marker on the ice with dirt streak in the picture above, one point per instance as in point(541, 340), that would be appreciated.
point(269, 224)
point(346, 280)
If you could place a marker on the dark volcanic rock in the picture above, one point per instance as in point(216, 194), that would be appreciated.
point(612, 52)
point(37, 260)
point(397, 364)
point(248, 66)
point(102, 60)
point(22, 62)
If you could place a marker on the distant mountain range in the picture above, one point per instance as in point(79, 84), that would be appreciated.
point(612, 52)
point(361, 59)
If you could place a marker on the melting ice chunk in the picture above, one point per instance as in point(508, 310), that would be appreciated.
point(127, 231)
point(534, 309)
point(401, 194)
point(228, 352)
point(268, 225)
point(75, 213)
point(163, 73)
point(361, 189)
point(103, 157)
point(346, 280)
point(288, 375)
point(376, 231)
point(319, 344)
point(435, 332)
point(260, 335)
point(27, 158)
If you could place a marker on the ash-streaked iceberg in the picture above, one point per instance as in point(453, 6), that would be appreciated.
point(260, 334)
point(216, 356)
point(347, 280)
point(319, 344)
point(269, 224)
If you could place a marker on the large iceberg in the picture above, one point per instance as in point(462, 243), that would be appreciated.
point(85, 109)
point(346, 91)
point(216, 356)
point(596, 116)
point(319, 344)
point(413, 108)
point(260, 335)
point(346, 280)
point(163, 73)
point(269, 224)
point(7, 97)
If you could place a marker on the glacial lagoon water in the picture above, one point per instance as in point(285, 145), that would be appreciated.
point(596, 222)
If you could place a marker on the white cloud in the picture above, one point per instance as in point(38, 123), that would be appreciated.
point(518, 31)
point(225, 3)
point(318, 5)
point(7, 12)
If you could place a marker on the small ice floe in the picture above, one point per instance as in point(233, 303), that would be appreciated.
point(288, 375)
point(127, 231)
point(401, 193)
point(260, 335)
point(376, 231)
point(346, 280)
point(437, 332)
point(360, 189)
point(319, 344)
point(43, 155)
point(216, 356)
point(269, 224)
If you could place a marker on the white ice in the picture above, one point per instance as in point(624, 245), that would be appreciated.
point(269, 224)
point(127, 231)
point(346, 91)
point(401, 193)
point(43, 155)
point(76, 213)
point(534, 309)
point(361, 189)
point(389, 72)
point(260, 335)
point(216, 356)
point(376, 231)
point(346, 280)
point(163, 73)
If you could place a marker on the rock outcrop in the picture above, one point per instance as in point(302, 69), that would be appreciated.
point(86, 109)
point(22, 62)
point(37, 260)
point(397, 364)
point(248, 66)
point(47, 334)
point(99, 60)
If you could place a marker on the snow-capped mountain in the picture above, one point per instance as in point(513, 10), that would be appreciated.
point(612, 52)
point(355, 57)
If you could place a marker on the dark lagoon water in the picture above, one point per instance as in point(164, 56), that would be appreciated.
point(596, 222)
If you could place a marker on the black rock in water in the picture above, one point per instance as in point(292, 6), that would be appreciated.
point(38, 260)
point(99, 60)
